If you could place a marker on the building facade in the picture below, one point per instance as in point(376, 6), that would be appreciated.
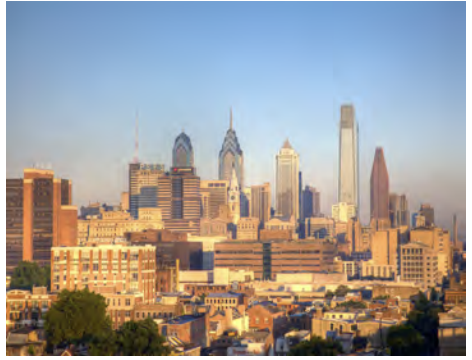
point(399, 213)
point(311, 202)
point(348, 184)
point(287, 182)
point(39, 216)
point(217, 196)
point(261, 203)
point(143, 183)
point(419, 264)
point(126, 268)
point(343, 212)
point(182, 153)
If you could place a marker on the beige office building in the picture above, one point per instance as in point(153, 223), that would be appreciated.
point(248, 228)
point(110, 225)
point(127, 268)
point(287, 182)
point(419, 264)
point(214, 193)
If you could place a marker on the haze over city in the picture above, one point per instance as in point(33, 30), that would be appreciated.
point(77, 74)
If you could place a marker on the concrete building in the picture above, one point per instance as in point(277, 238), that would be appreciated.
point(39, 216)
point(124, 202)
point(248, 228)
point(369, 269)
point(385, 248)
point(348, 184)
point(439, 240)
point(127, 268)
point(343, 212)
point(231, 156)
point(143, 184)
point(234, 199)
point(110, 225)
point(399, 213)
point(261, 202)
point(26, 308)
point(182, 153)
point(287, 186)
point(379, 189)
point(216, 193)
point(320, 227)
point(311, 202)
point(178, 197)
point(419, 263)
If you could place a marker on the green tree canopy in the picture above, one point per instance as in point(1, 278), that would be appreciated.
point(341, 291)
point(352, 305)
point(405, 340)
point(76, 317)
point(317, 347)
point(138, 338)
point(329, 294)
point(28, 274)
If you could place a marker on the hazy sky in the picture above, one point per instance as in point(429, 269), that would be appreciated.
point(77, 73)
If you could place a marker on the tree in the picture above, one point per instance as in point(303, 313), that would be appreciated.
point(103, 344)
point(317, 347)
point(76, 317)
point(352, 305)
point(405, 340)
point(141, 338)
point(425, 319)
point(28, 274)
point(341, 291)
point(329, 294)
point(381, 297)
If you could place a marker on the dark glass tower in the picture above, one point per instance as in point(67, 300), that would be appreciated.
point(379, 188)
point(182, 154)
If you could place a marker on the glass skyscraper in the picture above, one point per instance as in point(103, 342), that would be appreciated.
point(348, 183)
point(287, 182)
point(231, 155)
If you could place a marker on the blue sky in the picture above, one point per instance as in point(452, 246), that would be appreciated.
point(77, 73)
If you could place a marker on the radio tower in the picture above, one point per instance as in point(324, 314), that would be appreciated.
point(136, 142)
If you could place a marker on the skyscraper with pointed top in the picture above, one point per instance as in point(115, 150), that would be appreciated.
point(231, 155)
point(182, 154)
point(287, 182)
point(379, 188)
point(348, 181)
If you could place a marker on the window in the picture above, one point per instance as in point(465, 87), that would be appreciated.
point(257, 320)
point(128, 302)
point(266, 320)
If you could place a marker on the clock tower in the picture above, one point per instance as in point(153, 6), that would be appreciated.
point(234, 196)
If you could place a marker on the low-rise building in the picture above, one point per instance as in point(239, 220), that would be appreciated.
point(223, 301)
point(190, 329)
point(26, 341)
point(268, 317)
point(452, 332)
point(252, 343)
point(248, 228)
point(369, 269)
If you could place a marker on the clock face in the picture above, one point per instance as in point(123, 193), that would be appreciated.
point(232, 197)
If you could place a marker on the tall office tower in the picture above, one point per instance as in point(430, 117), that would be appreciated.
point(261, 203)
point(427, 211)
point(231, 155)
point(234, 197)
point(343, 212)
point(348, 182)
point(246, 202)
point(182, 153)
point(287, 165)
point(39, 216)
point(300, 196)
point(143, 183)
point(398, 211)
point(178, 196)
point(311, 202)
point(217, 191)
point(379, 189)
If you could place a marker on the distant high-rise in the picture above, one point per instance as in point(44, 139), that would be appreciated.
point(348, 182)
point(39, 216)
point(178, 196)
point(311, 202)
point(217, 196)
point(287, 185)
point(234, 198)
point(428, 212)
point(300, 196)
point(399, 213)
point(379, 188)
point(231, 155)
point(143, 183)
point(261, 202)
point(182, 154)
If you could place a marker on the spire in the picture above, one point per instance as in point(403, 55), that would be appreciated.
point(287, 144)
point(231, 118)
point(136, 141)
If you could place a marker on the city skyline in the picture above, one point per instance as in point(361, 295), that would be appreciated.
point(97, 141)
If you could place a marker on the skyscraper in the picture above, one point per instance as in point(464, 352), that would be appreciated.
point(311, 202)
point(287, 167)
point(428, 212)
point(399, 213)
point(348, 182)
point(379, 188)
point(231, 155)
point(39, 216)
point(217, 191)
point(182, 154)
point(234, 198)
point(178, 196)
point(261, 202)
point(143, 183)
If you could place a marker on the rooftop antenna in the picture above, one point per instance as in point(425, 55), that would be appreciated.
point(136, 142)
